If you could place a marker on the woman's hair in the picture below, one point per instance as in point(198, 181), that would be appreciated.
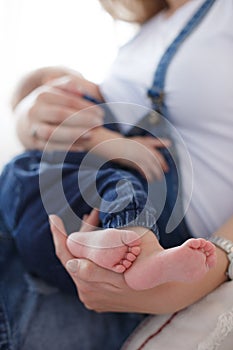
point(137, 11)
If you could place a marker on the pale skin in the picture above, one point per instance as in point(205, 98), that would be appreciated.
point(138, 254)
point(62, 100)
point(101, 289)
point(42, 107)
point(190, 261)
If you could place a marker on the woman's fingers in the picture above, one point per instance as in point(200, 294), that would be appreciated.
point(88, 272)
point(85, 274)
point(157, 158)
point(91, 221)
point(160, 160)
point(162, 142)
point(59, 238)
point(64, 136)
point(57, 97)
point(50, 114)
point(64, 126)
point(57, 146)
point(89, 118)
point(88, 277)
point(44, 110)
point(61, 134)
point(77, 85)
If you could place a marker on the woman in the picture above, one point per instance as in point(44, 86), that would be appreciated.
point(188, 293)
point(102, 290)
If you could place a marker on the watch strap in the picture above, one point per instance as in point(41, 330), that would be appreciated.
point(227, 246)
point(222, 243)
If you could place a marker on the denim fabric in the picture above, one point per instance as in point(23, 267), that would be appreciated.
point(162, 129)
point(166, 196)
point(34, 186)
point(27, 305)
point(20, 290)
point(156, 92)
point(36, 316)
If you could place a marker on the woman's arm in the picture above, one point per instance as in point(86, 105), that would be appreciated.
point(104, 291)
point(52, 96)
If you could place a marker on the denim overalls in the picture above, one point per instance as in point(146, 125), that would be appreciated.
point(34, 315)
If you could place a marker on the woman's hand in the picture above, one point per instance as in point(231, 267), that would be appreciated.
point(143, 154)
point(55, 99)
point(140, 152)
point(105, 291)
point(100, 289)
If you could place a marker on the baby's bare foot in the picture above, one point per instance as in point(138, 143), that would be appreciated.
point(186, 263)
point(113, 249)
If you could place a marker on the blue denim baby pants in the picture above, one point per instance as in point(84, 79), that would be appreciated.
point(36, 316)
point(31, 311)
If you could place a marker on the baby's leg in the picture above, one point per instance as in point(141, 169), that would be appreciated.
point(111, 248)
point(123, 201)
point(118, 250)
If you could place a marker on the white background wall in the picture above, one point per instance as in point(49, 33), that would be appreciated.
point(35, 33)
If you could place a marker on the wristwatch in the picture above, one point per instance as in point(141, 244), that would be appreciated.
point(227, 246)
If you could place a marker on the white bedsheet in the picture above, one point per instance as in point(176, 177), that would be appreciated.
point(206, 325)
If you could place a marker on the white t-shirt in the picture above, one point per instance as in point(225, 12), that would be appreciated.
point(199, 98)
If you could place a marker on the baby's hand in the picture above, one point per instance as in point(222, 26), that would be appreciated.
point(141, 153)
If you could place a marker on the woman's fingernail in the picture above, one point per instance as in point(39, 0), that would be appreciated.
point(98, 120)
point(52, 219)
point(86, 136)
point(72, 265)
point(99, 112)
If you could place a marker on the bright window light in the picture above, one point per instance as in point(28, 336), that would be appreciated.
point(74, 33)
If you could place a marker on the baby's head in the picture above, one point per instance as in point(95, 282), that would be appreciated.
point(35, 79)
point(137, 11)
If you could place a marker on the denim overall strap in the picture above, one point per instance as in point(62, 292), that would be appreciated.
point(172, 219)
point(156, 92)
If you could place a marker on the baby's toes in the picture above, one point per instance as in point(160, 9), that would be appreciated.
point(135, 250)
point(210, 247)
point(130, 257)
point(119, 268)
point(126, 263)
point(211, 259)
point(201, 244)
